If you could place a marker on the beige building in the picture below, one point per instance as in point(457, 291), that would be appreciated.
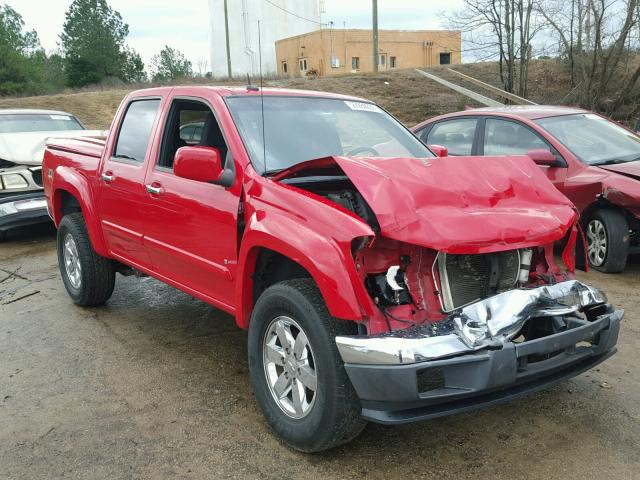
point(333, 52)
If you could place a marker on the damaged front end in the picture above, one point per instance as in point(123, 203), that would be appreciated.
point(465, 304)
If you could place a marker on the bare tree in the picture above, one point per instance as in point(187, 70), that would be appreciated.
point(596, 38)
point(502, 30)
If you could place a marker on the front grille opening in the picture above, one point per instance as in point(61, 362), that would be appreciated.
point(430, 379)
point(36, 173)
point(466, 279)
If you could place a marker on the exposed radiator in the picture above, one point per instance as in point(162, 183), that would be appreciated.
point(465, 279)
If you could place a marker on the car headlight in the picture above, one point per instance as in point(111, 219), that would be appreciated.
point(13, 181)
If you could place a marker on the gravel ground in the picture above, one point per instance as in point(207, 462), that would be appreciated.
point(155, 385)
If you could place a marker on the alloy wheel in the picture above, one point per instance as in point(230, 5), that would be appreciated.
point(289, 367)
point(596, 242)
point(72, 262)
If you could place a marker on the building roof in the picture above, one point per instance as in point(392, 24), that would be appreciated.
point(360, 30)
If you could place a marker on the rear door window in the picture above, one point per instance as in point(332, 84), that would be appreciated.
point(457, 135)
point(135, 131)
point(504, 137)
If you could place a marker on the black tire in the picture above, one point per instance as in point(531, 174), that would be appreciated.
point(97, 277)
point(616, 232)
point(335, 416)
point(3, 236)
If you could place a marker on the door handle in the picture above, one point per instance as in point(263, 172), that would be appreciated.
point(154, 189)
point(107, 177)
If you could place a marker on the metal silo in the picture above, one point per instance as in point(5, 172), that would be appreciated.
point(278, 19)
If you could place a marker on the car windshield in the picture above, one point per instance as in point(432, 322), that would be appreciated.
point(28, 122)
point(593, 139)
point(298, 129)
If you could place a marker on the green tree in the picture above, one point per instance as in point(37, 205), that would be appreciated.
point(93, 43)
point(133, 67)
point(18, 70)
point(170, 64)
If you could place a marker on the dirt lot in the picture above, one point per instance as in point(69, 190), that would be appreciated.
point(155, 385)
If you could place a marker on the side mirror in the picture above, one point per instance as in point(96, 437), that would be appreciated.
point(202, 164)
point(439, 150)
point(543, 157)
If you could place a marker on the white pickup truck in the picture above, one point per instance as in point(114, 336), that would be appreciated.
point(23, 134)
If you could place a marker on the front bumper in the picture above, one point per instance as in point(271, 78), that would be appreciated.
point(23, 209)
point(428, 378)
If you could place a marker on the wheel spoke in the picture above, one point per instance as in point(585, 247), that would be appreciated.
point(282, 385)
point(297, 394)
point(274, 354)
point(308, 377)
point(281, 331)
point(300, 345)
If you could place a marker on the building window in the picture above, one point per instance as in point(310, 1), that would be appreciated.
point(382, 60)
point(445, 58)
point(285, 69)
point(392, 62)
point(303, 64)
point(335, 62)
point(355, 63)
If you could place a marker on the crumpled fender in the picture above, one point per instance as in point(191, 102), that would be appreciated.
point(597, 183)
point(315, 234)
point(68, 180)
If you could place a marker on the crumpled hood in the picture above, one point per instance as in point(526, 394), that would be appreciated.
point(28, 148)
point(458, 204)
point(629, 169)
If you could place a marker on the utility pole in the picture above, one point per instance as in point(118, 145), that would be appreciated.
point(375, 36)
point(226, 30)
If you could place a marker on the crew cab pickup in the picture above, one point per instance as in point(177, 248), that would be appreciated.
point(377, 281)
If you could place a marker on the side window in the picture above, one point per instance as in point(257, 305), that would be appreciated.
point(456, 135)
point(502, 137)
point(190, 123)
point(135, 130)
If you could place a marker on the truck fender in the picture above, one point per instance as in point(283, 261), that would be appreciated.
point(328, 262)
point(70, 181)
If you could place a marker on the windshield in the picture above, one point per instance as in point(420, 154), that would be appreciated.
point(593, 139)
point(302, 128)
point(26, 122)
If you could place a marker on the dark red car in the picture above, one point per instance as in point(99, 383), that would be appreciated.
point(591, 159)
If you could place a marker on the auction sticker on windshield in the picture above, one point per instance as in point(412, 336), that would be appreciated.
point(363, 106)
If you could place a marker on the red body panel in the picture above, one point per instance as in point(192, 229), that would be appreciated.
point(583, 184)
point(205, 239)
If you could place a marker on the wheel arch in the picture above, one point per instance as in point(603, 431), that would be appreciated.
point(266, 260)
point(68, 198)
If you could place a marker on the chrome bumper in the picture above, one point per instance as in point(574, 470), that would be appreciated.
point(487, 323)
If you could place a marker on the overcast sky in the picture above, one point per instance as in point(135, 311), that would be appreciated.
point(184, 24)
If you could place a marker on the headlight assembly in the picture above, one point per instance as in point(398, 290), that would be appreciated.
point(13, 181)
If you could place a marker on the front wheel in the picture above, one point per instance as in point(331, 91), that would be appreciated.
point(607, 235)
point(297, 374)
point(88, 277)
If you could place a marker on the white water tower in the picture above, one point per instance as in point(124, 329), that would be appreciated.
point(278, 19)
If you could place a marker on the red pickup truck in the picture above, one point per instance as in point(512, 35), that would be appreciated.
point(377, 281)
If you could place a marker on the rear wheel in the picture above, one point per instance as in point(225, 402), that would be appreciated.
point(88, 277)
point(296, 371)
point(607, 235)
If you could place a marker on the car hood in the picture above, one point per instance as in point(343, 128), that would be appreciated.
point(628, 169)
point(28, 148)
point(456, 204)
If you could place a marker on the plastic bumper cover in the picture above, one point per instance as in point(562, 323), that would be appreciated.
point(401, 393)
point(23, 209)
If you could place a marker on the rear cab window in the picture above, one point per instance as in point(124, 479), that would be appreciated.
point(135, 130)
